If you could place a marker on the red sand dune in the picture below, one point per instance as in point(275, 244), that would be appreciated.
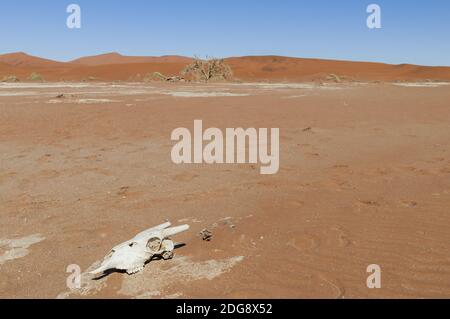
point(297, 69)
point(23, 60)
point(116, 58)
point(116, 67)
point(22, 65)
point(123, 72)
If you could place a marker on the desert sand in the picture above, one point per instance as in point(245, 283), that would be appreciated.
point(364, 179)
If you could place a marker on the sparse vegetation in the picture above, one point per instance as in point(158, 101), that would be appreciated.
point(10, 78)
point(208, 70)
point(89, 78)
point(334, 77)
point(35, 77)
point(155, 76)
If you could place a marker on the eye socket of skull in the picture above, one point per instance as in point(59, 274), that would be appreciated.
point(154, 244)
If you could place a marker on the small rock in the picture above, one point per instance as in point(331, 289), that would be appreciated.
point(206, 235)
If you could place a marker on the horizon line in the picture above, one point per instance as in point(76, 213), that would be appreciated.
point(227, 57)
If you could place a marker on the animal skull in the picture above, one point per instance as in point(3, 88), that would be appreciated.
point(132, 255)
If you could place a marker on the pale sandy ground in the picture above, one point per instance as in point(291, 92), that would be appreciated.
point(364, 179)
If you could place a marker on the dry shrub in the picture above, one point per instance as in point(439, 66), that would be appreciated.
point(155, 76)
point(334, 77)
point(159, 77)
point(208, 70)
point(35, 77)
point(10, 78)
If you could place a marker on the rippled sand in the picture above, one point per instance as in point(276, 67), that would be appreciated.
point(364, 179)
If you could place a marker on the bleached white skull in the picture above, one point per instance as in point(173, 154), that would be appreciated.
point(132, 255)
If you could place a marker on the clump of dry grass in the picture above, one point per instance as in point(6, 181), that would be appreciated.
point(334, 77)
point(155, 76)
point(159, 77)
point(35, 77)
point(208, 70)
point(10, 78)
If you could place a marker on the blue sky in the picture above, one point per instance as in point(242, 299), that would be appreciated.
point(413, 31)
